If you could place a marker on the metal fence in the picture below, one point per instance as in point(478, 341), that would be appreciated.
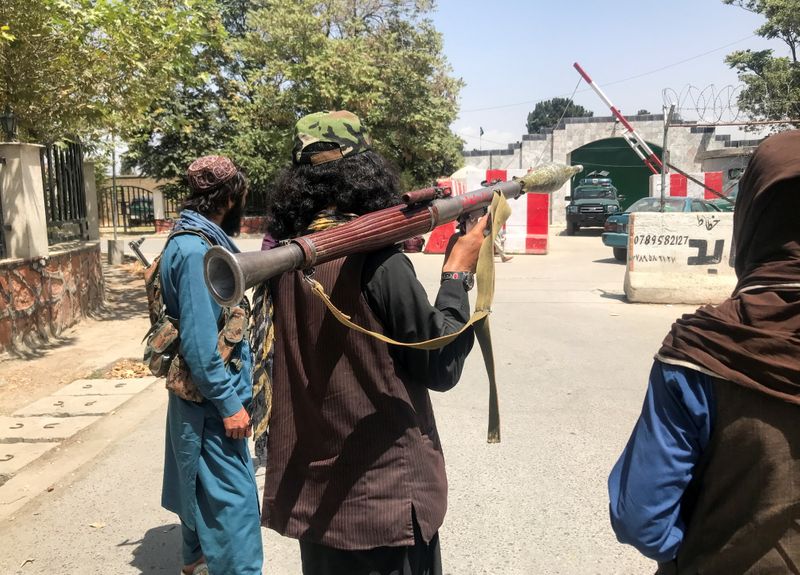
point(256, 203)
point(137, 207)
point(135, 210)
point(172, 206)
point(64, 192)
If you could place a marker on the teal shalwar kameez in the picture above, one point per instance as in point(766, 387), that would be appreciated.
point(209, 479)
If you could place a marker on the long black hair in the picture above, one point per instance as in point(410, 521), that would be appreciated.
point(356, 184)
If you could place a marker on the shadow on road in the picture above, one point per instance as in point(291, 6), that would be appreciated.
point(159, 551)
point(609, 261)
point(613, 295)
point(590, 233)
point(37, 345)
point(124, 293)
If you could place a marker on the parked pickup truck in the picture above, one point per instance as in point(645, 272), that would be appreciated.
point(592, 201)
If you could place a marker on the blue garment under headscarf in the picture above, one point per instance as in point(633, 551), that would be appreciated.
point(191, 220)
point(209, 479)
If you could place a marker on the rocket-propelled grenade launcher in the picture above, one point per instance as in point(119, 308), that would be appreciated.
point(228, 276)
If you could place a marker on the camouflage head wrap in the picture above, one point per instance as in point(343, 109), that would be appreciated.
point(341, 131)
point(210, 172)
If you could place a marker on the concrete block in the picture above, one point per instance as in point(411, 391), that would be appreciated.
point(680, 258)
point(15, 456)
point(107, 386)
point(69, 406)
point(116, 249)
point(41, 429)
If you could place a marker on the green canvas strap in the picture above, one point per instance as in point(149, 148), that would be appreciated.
point(500, 211)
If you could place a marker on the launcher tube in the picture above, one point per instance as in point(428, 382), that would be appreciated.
point(228, 276)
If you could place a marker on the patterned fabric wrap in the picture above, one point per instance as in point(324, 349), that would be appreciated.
point(262, 339)
point(328, 219)
point(341, 128)
point(209, 172)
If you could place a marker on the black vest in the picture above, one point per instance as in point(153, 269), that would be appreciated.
point(742, 510)
point(352, 442)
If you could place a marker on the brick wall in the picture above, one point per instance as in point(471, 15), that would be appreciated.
point(40, 298)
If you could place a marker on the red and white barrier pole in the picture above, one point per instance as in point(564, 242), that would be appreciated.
point(650, 159)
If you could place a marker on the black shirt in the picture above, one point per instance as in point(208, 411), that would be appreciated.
point(400, 303)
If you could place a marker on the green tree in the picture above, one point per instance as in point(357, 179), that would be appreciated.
point(771, 83)
point(547, 112)
point(381, 59)
point(83, 67)
point(192, 117)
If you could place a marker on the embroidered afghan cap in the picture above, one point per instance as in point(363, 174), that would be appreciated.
point(336, 135)
point(210, 172)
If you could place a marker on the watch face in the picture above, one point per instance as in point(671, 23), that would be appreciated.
point(469, 281)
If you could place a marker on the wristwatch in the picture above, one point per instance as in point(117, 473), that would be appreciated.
point(467, 278)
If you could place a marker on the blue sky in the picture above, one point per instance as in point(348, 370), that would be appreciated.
point(513, 53)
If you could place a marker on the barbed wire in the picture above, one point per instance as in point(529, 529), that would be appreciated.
point(709, 105)
point(713, 105)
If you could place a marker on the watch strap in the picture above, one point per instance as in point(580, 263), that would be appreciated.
point(455, 275)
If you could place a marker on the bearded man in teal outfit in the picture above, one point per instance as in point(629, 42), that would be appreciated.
point(209, 479)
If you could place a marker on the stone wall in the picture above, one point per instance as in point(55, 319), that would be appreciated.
point(41, 297)
point(692, 148)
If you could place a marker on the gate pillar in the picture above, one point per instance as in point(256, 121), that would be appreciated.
point(24, 216)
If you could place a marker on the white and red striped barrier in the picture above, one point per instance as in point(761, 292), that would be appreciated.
point(526, 230)
point(679, 186)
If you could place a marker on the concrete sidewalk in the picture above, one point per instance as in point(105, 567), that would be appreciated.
point(87, 349)
point(53, 399)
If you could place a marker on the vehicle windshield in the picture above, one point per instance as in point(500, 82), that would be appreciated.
point(654, 205)
point(593, 193)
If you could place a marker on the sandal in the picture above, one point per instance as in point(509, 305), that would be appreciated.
point(199, 569)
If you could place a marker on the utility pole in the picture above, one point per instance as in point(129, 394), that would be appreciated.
point(664, 153)
point(114, 183)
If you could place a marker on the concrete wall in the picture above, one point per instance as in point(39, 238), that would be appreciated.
point(40, 298)
point(680, 258)
point(138, 181)
point(692, 149)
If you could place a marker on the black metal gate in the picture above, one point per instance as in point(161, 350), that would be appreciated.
point(135, 209)
point(64, 192)
point(172, 206)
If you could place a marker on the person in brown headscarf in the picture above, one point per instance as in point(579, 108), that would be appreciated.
point(209, 481)
point(710, 479)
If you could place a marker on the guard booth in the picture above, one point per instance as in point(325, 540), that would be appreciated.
point(526, 230)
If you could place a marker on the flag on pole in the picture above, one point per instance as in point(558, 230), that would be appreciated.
point(481, 131)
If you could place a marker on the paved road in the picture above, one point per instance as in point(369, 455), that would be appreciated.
point(572, 357)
